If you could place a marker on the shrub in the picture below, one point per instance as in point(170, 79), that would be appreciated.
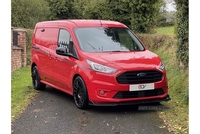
point(156, 41)
point(26, 13)
point(182, 25)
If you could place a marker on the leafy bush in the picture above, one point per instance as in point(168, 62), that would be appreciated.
point(165, 24)
point(144, 15)
point(63, 9)
point(182, 25)
point(26, 13)
point(165, 46)
point(156, 41)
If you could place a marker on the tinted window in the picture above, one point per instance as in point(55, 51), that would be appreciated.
point(101, 39)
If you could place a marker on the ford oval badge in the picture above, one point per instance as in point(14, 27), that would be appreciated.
point(141, 74)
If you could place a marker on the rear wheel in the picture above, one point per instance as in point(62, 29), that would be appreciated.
point(36, 79)
point(80, 93)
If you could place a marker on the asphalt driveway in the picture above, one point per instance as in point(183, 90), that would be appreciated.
point(54, 112)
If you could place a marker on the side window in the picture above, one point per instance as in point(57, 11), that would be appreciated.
point(66, 41)
point(63, 40)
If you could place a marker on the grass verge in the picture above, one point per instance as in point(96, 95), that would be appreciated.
point(21, 91)
point(165, 30)
point(176, 119)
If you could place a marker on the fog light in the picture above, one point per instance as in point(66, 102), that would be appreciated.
point(101, 92)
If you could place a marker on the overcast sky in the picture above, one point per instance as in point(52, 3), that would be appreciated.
point(170, 5)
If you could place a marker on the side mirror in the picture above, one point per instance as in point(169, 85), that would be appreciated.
point(63, 51)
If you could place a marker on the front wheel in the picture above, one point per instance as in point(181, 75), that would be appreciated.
point(80, 93)
point(36, 79)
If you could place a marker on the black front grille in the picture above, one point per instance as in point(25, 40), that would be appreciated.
point(138, 94)
point(134, 77)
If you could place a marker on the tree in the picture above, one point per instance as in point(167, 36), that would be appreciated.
point(96, 10)
point(118, 10)
point(63, 9)
point(26, 13)
point(140, 15)
point(144, 15)
point(161, 20)
point(182, 25)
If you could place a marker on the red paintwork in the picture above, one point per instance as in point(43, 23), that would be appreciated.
point(59, 74)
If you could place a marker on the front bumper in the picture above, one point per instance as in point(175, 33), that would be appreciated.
point(167, 98)
point(104, 90)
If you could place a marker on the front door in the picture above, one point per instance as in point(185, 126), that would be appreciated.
point(63, 65)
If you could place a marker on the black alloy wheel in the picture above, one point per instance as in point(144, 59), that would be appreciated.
point(80, 93)
point(36, 79)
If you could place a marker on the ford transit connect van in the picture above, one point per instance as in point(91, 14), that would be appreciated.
point(98, 62)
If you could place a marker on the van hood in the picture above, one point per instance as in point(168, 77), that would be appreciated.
point(126, 60)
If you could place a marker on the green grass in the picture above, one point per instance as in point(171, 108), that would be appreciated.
point(21, 91)
point(165, 30)
point(177, 117)
point(165, 45)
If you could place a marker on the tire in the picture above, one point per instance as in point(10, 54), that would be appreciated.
point(80, 93)
point(36, 80)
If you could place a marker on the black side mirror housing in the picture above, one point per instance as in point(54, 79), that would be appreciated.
point(64, 51)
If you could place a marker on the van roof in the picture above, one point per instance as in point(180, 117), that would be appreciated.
point(81, 23)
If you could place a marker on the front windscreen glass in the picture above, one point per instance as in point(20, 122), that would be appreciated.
point(101, 39)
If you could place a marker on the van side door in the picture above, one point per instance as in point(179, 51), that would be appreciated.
point(45, 45)
point(64, 65)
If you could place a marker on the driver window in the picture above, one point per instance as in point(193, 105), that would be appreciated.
point(65, 40)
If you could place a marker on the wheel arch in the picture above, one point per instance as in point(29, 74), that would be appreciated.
point(83, 73)
point(74, 77)
point(32, 65)
point(35, 61)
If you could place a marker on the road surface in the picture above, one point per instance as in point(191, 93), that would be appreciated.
point(54, 112)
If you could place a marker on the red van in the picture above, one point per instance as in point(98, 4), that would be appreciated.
point(98, 62)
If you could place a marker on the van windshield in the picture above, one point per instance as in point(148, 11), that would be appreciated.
point(104, 39)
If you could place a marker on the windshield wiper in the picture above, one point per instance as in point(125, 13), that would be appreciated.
point(91, 46)
point(116, 51)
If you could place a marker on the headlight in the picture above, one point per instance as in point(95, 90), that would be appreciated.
point(101, 68)
point(161, 66)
